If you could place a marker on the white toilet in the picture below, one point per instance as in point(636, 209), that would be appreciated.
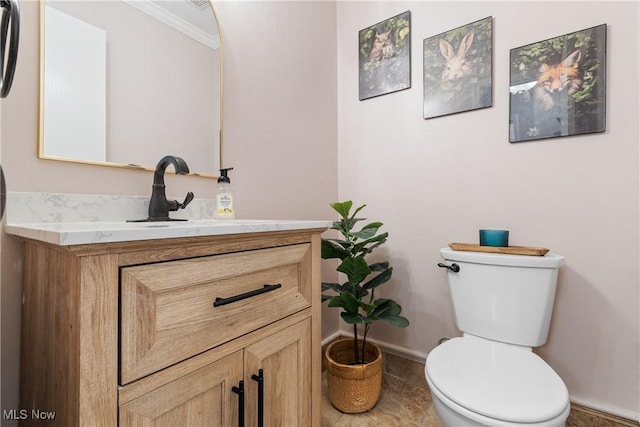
point(489, 376)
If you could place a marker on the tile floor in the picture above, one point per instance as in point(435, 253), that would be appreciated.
point(401, 404)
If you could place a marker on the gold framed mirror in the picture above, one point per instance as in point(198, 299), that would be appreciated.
point(125, 82)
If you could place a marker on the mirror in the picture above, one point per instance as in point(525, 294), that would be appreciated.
point(124, 83)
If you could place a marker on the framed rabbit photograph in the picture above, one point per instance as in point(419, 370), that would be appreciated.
point(384, 59)
point(458, 70)
point(557, 86)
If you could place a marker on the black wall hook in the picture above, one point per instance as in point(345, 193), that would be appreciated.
point(10, 18)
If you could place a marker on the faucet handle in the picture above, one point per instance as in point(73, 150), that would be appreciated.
point(187, 199)
point(174, 205)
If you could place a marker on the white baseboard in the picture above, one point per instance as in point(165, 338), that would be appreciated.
point(622, 413)
point(332, 337)
point(416, 356)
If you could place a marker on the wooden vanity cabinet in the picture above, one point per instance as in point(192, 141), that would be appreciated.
point(128, 333)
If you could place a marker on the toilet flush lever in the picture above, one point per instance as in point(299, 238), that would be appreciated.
point(453, 267)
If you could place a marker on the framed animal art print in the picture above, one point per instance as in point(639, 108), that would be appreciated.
point(385, 57)
point(457, 70)
point(558, 86)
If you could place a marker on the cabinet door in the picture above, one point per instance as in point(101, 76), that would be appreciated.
point(200, 398)
point(285, 360)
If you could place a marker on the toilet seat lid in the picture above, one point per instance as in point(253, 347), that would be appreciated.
point(500, 381)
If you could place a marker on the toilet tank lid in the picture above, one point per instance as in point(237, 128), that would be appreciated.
point(501, 381)
point(550, 260)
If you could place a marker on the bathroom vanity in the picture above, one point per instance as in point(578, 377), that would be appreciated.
point(216, 323)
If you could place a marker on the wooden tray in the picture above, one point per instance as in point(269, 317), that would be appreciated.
point(513, 250)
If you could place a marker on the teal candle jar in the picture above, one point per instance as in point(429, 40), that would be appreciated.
point(498, 238)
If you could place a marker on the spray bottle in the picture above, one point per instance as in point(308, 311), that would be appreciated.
point(224, 197)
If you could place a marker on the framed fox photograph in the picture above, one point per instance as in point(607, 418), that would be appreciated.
point(558, 86)
point(457, 70)
point(385, 57)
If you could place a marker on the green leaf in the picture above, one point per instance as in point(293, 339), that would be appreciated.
point(352, 318)
point(360, 292)
point(332, 286)
point(375, 225)
point(356, 269)
point(330, 250)
point(379, 266)
point(396, 321)
point(386, 307)
point(346, 244)
point(350, 223)
point(379, 279)
point(368, 230)
point(358, 209)
point(336, 301)
point(346, 301)
point(362, 249)
point(367, 307)
point(389, 311)
point(342, 208)
point(336, 225)
point(379, 238)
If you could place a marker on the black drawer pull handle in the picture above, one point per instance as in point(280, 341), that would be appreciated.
point(267, 288)
point(240, 392)
point(260, 380)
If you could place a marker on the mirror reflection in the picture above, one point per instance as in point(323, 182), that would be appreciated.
point(128, 82)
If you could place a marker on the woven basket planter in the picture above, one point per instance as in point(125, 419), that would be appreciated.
point(353, 388)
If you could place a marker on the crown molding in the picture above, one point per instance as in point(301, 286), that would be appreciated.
point(162, 15)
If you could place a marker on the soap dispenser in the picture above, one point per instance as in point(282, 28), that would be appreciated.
point(224, 197)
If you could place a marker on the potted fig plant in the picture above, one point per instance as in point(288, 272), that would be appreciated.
point(354, 366)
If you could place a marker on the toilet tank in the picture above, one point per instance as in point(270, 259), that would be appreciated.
point(503, 297)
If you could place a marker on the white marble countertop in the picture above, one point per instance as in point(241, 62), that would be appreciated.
point(78, 233)
point(77, 219)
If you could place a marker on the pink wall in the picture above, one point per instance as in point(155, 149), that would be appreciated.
point(280, 85)
point(279, 112)
point(438, 181)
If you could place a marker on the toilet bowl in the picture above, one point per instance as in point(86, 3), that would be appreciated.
point(477, 382)
point(490, 376)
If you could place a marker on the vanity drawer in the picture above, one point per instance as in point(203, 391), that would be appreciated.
point(168, 312)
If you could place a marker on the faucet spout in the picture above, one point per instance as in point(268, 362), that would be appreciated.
point(159, 206)
point(178, 164)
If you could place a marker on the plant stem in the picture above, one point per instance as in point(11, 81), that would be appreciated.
point(366, 327)
point(364, 341)
point(355, 343)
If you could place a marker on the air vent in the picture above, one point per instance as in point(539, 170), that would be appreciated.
point(200, 4)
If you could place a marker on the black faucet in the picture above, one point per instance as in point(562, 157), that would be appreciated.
point(159, 206)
